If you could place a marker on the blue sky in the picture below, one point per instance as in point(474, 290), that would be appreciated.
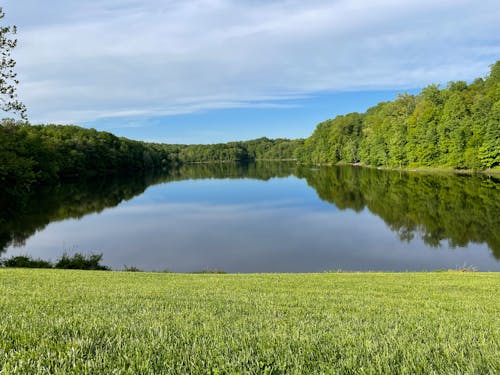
point(294, 119)
point(203, 71)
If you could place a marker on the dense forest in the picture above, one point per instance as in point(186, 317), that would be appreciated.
point(457, 127)
point(32, 156)
point(256, 149)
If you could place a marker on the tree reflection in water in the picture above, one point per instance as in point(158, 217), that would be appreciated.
point(460, 209)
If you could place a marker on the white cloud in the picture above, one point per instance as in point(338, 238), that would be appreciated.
point(80, 61)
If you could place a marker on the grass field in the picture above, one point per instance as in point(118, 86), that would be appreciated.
point(61, 321)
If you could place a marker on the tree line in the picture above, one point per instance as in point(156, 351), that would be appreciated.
point(256, 149)
point(31, 155)
point(48, 154)
point(457, 127)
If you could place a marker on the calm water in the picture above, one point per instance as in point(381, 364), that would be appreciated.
point(267, 217)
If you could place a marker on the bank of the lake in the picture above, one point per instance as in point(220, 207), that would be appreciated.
point(428, 170)
point(60, 321)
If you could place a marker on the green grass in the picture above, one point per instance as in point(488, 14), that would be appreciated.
point(64, 321)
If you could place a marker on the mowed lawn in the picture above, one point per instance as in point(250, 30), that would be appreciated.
point(62, 321)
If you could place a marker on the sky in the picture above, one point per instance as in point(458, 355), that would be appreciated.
point(206, 71)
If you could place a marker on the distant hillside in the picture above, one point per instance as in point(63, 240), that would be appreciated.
point(50, 154)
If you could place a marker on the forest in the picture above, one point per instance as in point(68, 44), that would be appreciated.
point(31, 156)
point(256, 149)
point(457, 127)
point(48, 154)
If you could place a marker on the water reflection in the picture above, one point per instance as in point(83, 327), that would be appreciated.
point(461, 209)
point(248, 218)
point(30, 213)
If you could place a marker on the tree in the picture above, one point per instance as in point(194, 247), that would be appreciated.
point(8, 81)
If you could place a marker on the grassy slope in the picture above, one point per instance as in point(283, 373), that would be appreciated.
point(83, 321)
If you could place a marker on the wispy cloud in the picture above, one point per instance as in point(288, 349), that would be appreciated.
point(81, 61)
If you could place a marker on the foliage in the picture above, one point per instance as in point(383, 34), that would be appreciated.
point(81, 262)
point(34, 155)
point(457, 128)
point(8, 80)
point(131, 269)
point(117, 322)
point(334, 141)
point(76, 262)
point(31, 156)
point(24, 261)
point(257, 149)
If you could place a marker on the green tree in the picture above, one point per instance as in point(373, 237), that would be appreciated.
point(422, 127)
point(374, 147)
point(489, 151)
point(8, 80)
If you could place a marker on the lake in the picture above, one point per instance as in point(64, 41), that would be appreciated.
point(266, 217)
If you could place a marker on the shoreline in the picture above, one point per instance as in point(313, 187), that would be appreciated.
point(429, 170)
